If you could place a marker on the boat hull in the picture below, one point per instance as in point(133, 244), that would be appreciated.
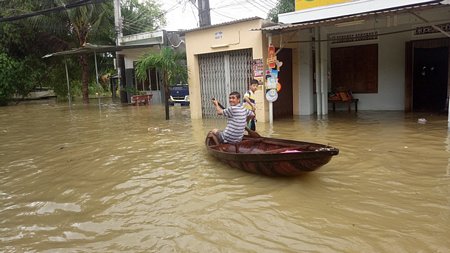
point(271, 156)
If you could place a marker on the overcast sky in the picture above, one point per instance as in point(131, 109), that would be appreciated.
point(182, 14)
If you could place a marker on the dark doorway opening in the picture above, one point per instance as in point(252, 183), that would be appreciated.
point(430, 79)
point(283, 107)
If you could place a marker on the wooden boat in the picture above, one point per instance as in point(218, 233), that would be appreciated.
point(271, 156)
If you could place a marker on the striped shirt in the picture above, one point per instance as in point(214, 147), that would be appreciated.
point(237, 120)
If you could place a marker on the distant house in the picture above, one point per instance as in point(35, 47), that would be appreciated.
point(392, 55)
point(141, 44)
point(223, 58)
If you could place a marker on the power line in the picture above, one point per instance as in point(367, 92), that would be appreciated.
point(238, 4)
point(55, 9)
point(134, 24)
point(223, 15)
point(269, 4)
point(194, 14)
point(258, 6)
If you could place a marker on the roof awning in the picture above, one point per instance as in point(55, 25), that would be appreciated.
point(346, 11)
point(92, 48)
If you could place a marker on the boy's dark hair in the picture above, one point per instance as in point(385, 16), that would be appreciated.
point(254, 81)
point(237, 94)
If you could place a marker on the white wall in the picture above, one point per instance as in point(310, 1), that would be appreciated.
point(306, 98)
point(394, 30)
point(391, 56)
point(391, 76)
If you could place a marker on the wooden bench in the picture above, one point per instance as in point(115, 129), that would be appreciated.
point(347, 102)
point(141, 99)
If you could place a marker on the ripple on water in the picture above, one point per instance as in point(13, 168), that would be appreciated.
point(123, 178)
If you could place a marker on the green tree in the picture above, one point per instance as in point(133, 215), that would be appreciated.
point(85, 21)
point(170, 63)
point(8, 73)
point(141, 17)
point(283, 6)
point(26, 40)
point(22, 46)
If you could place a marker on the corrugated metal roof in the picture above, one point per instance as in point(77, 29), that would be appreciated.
point(280, 27)
point(92, 48)
point(222, 24)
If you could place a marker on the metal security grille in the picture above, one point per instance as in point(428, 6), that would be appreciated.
point(222, 73)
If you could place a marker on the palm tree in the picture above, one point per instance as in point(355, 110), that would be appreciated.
point(83, 21)
point(169, 63)
point(74, 28)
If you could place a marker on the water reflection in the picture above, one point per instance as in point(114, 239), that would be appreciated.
point(124, 179)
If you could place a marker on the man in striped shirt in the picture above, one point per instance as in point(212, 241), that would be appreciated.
point(237, 119)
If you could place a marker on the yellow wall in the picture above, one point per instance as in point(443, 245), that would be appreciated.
point(223, 38)
point(306, 4)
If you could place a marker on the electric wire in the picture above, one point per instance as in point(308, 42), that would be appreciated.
point(219, 10)
point(49, 10)
point(134, 25)
point(257, 6)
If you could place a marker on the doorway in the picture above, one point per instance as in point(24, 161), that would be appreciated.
point(430, 79)
point(222, 73)
point(283, 107)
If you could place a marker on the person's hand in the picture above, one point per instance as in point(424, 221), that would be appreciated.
point(215, 102)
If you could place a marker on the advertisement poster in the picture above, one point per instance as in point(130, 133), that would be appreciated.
point(258, 68)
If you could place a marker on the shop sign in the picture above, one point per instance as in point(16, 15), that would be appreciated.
point(423, 30)
point(352, 37)
point(306, 4)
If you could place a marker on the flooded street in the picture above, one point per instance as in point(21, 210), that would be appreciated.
point(123, 179)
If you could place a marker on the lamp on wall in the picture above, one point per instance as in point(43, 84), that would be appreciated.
point(350, 23)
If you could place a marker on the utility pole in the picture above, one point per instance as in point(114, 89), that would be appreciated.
point(204, 15)
point(117, 21)
point(119, 60)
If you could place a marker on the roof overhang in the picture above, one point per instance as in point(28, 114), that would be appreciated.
point(140, 40)
point(92, 48)
point(222, 24)
point(149, 38)
point(346, 11)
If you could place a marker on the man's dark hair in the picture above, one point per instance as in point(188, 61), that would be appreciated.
point(254, 81)
point(235, 93)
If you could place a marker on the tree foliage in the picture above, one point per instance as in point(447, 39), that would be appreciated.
point(23, 42)
point(141, 17)
point(8, 72)
point(283, 6)
point(82, 23)
point(170, 63)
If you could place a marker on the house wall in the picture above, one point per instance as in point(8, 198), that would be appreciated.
point(131, 56)
point(394, 31)
point(153, 42)
point(221, 38)
point(391, 54)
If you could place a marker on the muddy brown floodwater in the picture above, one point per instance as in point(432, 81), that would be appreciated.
point(123, 179)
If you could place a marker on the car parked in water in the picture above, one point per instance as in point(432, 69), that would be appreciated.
point(179, 94)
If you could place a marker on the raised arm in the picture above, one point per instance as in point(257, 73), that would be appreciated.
point(219, 109)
